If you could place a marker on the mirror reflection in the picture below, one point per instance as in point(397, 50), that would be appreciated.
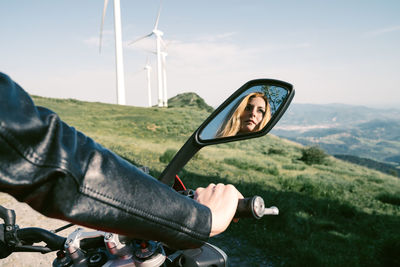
point(249, 112)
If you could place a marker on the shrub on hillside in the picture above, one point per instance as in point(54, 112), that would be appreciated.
point(394, 172)
point(313, 155)
point(276, 151)
point(393, 199)
point(168, 155)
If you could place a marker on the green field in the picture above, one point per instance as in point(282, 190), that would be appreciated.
point(331, 214)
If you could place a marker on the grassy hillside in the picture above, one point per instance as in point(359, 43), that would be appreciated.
point(334, 214)
point(372, 164)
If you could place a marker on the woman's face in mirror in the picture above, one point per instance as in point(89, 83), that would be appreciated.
point(252, 114)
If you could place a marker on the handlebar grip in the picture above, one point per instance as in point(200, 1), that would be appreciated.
point(8, 216)
point(35, 235)
point(251, 207)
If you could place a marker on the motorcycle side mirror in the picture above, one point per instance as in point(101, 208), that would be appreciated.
point(250, 112)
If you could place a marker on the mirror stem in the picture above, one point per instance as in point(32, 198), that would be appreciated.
point(188, 150)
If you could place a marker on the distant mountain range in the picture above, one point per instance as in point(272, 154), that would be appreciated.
point(334, 115)
point(345, 129)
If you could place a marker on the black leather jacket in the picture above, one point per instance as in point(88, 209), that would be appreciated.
point(64, 174)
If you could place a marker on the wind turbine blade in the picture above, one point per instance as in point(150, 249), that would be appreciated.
point(158, 17)
point(141, 38)
point(102, 24)
point(150, 51)
point(138, 71)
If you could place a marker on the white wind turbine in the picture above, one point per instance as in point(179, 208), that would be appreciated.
point(164, 74)
point(148, 72)
point(121, 100)
point(148, 69)
point(161, 79)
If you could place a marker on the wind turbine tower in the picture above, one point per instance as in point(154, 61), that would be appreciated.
point(148, 72)
point(164, 74)
point(161, 73)
point(121, 99)
point(158, 35)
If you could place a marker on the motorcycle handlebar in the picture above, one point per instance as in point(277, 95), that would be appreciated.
point(35, 235)
point(7, 215)
point(252, 207)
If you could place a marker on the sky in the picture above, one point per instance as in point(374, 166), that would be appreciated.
point(331, 51)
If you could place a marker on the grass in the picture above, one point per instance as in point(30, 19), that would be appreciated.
point(335, 214)
point(266, 168)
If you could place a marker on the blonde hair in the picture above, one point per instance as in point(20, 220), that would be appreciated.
point(231, 126)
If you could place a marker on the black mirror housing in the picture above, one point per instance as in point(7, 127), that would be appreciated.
point(277, 96)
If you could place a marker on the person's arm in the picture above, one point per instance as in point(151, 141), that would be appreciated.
point(64, 174)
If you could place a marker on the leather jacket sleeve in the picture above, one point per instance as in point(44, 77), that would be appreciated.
point(64, 174)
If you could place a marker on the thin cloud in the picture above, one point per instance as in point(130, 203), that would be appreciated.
point(94, 40)
point(302, 45)
point(199, 55)
point(91, 41)
point(216, 37)
point(383, 31)
point(273, 47)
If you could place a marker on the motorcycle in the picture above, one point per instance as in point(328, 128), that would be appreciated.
point(98, 248)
